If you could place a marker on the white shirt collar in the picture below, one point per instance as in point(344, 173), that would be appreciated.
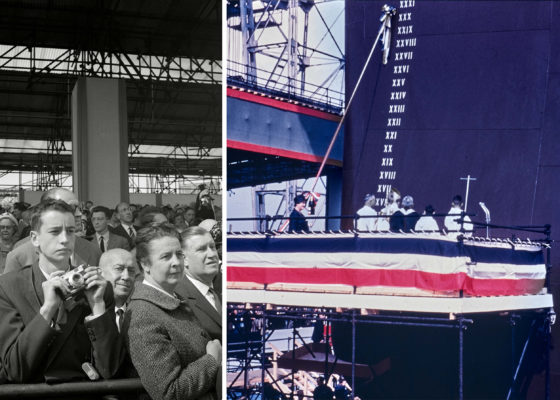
point(46, 274)
point(105, 236)
point(123, 307)
point(145, 282)
point(201, 286)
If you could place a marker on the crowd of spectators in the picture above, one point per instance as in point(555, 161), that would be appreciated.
point(95, 219)
point(84, 289)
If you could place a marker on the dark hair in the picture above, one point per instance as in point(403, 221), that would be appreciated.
point(429, 209)
point(21, 206)
point(108, 213)
point(48, 205)
point(457, 200)
point(193, 231)
point(146, 215)
point(300, 198)
point(152, 232)
point(177, 216)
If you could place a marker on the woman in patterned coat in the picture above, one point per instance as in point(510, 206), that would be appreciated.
point(175, 358)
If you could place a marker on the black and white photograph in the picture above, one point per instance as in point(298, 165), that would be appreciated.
point(111, 199)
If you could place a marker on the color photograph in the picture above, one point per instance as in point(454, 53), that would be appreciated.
point(392, 177)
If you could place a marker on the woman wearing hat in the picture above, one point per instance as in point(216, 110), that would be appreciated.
point(298, 223)
point(8, 229)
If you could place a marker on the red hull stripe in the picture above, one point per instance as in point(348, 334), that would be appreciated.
point(394, 278)
point(234, 144)
point(282, 105)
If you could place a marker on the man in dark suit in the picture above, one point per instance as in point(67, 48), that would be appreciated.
point(24, 253)
point(125, 228)
point(49, 331)
point(202, 267)
point(104, 238)
point(119, 267)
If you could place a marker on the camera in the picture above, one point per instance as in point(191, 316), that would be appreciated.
point(75, 280)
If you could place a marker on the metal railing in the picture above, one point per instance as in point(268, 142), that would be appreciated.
point(326, 99)
point(61, 390)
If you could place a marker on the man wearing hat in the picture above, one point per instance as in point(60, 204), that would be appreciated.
point(298, 223)
point(367, 222)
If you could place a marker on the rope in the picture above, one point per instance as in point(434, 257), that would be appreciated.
point(384, 30)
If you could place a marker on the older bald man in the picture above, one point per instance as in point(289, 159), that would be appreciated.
point(24, 253)
point(119, 267)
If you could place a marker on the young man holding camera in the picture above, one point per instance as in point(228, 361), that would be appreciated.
point(46, 334)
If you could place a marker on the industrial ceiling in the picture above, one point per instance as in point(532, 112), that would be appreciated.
point(168, 51)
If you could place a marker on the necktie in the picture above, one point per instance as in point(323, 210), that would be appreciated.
point(217, 302)
point(120, 318)
point(101, 244)
point(131, 232)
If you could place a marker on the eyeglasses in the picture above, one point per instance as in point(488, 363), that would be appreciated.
point(6, 227)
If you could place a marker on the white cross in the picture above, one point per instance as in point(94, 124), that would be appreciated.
point(468, 179)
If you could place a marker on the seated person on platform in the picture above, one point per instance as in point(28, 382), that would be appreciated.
point(24, 252)
point(202, 270)
point(104, 238)
point(43, 337)
point(297, 219)
point(174, 356)
point(369, 223)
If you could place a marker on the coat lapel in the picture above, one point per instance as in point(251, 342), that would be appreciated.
point(74, 316)
point(33, 292)
point(199, 301)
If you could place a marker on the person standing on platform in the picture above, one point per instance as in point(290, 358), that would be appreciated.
point(427, 223)
point(369, 223)
point(451, 223)
point(393, 200)
point(298, 223)
point(406, 218)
